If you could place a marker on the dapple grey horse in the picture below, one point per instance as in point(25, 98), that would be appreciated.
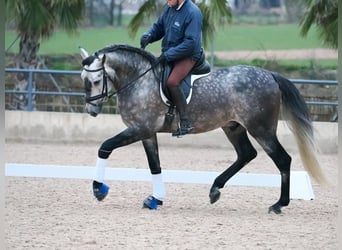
point(237, 99)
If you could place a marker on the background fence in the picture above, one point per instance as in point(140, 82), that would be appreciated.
point(63, 91)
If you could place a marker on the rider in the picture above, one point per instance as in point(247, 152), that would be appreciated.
point(180, 26)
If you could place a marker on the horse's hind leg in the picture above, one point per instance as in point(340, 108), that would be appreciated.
point(245, 153)
point(283, 162)
point(158, 194)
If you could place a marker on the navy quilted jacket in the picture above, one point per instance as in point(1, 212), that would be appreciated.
point(181, 31)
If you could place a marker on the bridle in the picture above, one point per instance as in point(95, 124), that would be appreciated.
point(104, 93)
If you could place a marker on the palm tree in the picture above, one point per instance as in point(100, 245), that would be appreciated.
point(215, 13)
point(323, 14)
point(34, 21)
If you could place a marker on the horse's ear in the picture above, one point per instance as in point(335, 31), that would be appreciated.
point(88, 60)
point(103, 59)
point(84, 53)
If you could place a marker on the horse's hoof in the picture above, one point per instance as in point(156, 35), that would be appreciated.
point(214, 195)
point(100, 190)
point(152, 203)
point(275, 209)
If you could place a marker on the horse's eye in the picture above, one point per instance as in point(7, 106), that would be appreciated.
point(97, 82)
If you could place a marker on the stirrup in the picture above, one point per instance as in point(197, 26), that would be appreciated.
point(184, 128)
point(182, 131)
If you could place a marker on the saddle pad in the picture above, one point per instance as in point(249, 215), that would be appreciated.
point(186, 86)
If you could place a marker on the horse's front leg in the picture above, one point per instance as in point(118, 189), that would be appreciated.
point(158, 194)
point(126, 137)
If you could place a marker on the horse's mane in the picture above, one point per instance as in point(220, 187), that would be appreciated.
point(125, 47)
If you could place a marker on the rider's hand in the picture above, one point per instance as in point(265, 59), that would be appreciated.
point(144, 40)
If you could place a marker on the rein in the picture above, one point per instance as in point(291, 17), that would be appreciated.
point(105, 84)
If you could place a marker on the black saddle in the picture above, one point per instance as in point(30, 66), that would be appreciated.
point(202, 67)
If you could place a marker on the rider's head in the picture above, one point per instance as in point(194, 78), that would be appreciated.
point(174, 3)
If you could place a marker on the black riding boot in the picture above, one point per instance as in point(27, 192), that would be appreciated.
point(179, 101)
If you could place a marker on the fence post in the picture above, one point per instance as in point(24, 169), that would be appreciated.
point(29, 92)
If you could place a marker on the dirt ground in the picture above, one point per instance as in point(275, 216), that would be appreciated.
point(44, 213)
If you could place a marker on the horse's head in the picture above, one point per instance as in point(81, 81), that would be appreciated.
point(97, 81)
point(114, 70)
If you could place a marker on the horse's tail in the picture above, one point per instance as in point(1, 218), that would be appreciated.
point(297, 116)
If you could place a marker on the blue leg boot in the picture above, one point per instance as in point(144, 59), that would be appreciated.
point(100, 190)
point(152, 203)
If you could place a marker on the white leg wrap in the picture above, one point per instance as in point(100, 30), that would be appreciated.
point(158, 187)
point(100, 169)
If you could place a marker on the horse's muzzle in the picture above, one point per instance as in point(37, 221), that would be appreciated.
point(93, 109)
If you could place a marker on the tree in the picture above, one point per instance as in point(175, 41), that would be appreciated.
point(34, 21)
point(215, 13)
point(323, 14)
